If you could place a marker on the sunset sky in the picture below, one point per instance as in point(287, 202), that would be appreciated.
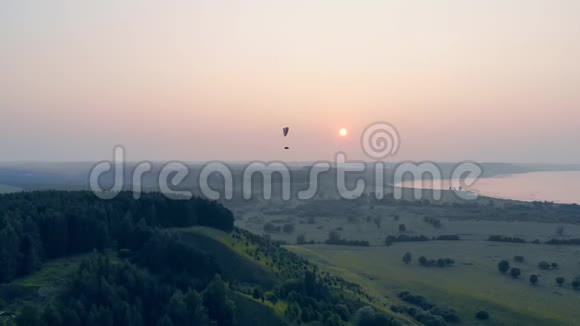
point(489, 80)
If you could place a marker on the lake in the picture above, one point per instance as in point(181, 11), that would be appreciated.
point(559, 187)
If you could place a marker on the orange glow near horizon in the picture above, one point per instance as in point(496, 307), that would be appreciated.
point(486, 80)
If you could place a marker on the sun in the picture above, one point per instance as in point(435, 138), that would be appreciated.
point(343, 132)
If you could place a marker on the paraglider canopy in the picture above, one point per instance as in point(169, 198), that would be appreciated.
point(285, 132)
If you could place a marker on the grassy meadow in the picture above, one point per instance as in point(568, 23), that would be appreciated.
point(473, 284)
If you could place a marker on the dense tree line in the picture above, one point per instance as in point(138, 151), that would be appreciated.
point(404, 238)
point(441, 262)
point(334, 238)
point(567, 242)
point(37, 226)
point(428, 312)
point(500, 238)
point(176, 285)
point(447, 237)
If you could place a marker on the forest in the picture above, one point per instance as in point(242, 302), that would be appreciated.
point(141, 266)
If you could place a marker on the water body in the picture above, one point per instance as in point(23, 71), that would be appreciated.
point(5, 189)
point(559, 187)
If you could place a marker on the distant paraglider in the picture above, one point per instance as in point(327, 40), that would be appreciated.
point(285, 132)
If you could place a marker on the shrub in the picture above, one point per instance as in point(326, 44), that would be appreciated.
point(448, 314)
point(333, 236)
point(544, 265)
point(416, 300)
point(272, 297)
point(482, 315)
point(560, 281)
point(503, 266)
point(515, 272)
point(576, 283)
point(534, 279)
point(402, 228)
point(257, 294)
point(407, 258)
point(368, 316)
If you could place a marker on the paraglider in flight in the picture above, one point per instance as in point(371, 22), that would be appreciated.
point(285, 132)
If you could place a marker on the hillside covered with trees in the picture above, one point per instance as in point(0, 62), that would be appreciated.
point(68, 258)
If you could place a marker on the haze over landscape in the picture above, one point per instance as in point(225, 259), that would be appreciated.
point(459, 80)
point(281, 163)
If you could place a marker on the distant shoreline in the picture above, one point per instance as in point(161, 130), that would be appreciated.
point(562, 187)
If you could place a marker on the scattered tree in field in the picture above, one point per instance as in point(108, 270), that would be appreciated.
point(423, 260)
point(515, 272)
point(534, 279)
point(503, 266)
point(560, 281)
point(272, 297)
point(301, 239)
point(436, 223)
point(271, 227)
point(482, 315)
point(334, 236)
point(257, 294)
point(544, 265)
point(407, 258)
point(288, 228)
point(378, 222)
point(576, 283)
point(402, 228)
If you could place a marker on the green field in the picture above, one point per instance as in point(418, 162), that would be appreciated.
point(471, 285)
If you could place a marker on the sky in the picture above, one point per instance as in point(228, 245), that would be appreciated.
point(487, 80)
